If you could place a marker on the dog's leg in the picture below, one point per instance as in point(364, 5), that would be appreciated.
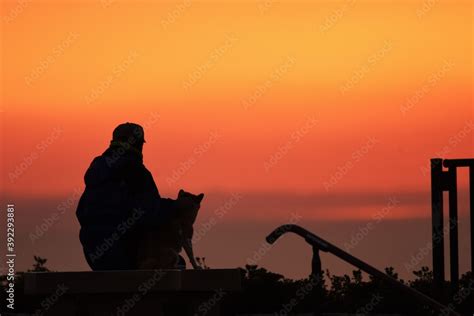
point(188, 248)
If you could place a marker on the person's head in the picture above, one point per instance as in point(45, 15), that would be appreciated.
point(129, 134)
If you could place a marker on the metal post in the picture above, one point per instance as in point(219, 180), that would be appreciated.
point(437, 223)
point(453, 228)
point(471, 203)
point(316, 266)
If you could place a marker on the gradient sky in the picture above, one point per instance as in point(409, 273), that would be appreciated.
point(338, 104)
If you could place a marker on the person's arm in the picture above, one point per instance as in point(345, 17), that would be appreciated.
point(167, 204)
point(157, 212)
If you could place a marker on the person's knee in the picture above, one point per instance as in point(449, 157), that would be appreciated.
point(114, 259)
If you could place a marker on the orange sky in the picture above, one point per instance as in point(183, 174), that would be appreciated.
point(320, 97)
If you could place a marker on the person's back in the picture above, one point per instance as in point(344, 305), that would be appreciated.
point(120, 199)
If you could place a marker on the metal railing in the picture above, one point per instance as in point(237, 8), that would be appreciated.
point(321, 244)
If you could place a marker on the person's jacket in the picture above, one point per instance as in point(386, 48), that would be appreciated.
point(120, 199)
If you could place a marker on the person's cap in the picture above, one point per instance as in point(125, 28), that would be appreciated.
point(129, 132)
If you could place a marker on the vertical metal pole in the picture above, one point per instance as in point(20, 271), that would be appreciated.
point(316, 266)
point(453, 228)
point(471, 203)
point(437, 223)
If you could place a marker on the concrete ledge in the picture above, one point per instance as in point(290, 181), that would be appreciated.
point(134, 293)
point(41, 283)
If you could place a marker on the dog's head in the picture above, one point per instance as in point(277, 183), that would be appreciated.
point(189, 206)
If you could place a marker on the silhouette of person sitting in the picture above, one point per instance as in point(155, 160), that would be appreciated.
point(120, 202)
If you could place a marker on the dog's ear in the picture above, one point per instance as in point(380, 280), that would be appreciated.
point(200, 197)
point(181, 192)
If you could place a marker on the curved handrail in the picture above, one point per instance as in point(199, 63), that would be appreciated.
point(325, 246)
